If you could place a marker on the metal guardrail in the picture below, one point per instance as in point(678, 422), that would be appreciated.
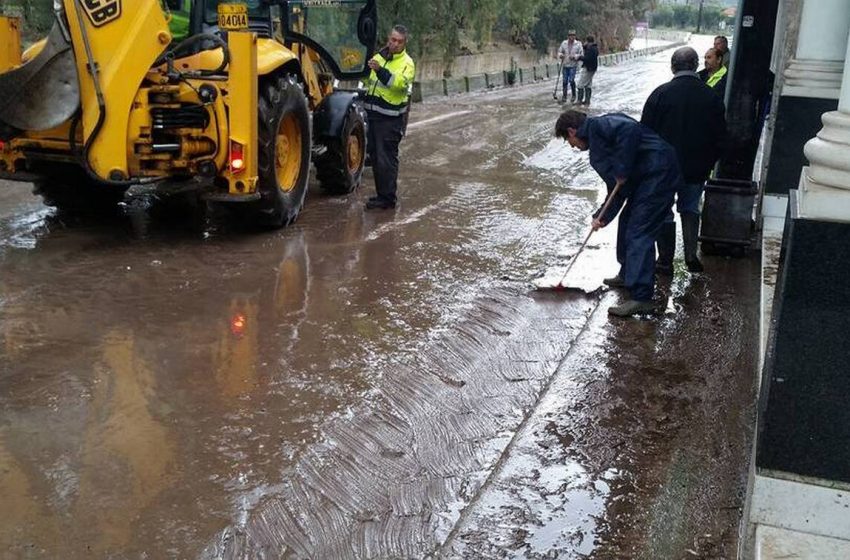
point(522, 76)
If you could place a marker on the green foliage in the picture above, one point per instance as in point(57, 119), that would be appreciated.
point(37, 15)
point(611, 22)
point(438, 26)
point(681, 16)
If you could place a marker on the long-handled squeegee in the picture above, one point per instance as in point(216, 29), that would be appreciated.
point(561, 286)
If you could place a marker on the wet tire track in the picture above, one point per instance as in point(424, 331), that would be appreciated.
point(404, 463)
point(381, 376)
point(392, 477)
point(448, 547)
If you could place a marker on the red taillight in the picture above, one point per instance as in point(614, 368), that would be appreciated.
point(238, 324)
point(2, 145)
point(237, 159)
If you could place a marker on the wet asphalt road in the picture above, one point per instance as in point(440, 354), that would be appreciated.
point(372, 385)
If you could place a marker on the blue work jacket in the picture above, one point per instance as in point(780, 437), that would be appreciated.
point(620, 146)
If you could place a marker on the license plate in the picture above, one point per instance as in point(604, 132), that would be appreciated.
point(232, 17)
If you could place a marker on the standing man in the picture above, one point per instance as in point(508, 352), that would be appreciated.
point(629, 154)
point(569, 53)
point(690, 116)
point(589, 63)
point(387, 103)
point(714, 73)
point(721, 45)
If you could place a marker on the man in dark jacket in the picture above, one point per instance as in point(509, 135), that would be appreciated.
point(590, 62)
point(628, 154)
point(688, 115)
point(721, 45)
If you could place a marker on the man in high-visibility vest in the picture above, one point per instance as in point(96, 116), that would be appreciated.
point(714, 74)
point(387, 103)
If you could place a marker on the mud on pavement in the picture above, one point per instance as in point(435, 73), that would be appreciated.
point(372, 385)
point(638, 449)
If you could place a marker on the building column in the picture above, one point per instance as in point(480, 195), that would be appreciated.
point(825, 184)
point(818, 62)
point(812, 83)
point(797, 494)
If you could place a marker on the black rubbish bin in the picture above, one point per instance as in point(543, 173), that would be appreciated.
point(727, 216)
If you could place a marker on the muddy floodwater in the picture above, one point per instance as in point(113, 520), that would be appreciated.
point(373, 384)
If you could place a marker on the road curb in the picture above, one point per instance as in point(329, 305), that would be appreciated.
point(522, 76)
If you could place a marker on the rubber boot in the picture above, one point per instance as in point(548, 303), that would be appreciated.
point(690, 236)
point(666, 244)
point(573, 91)
point(632, 307)
point(615, 281)
point(587, 92)
point(581, 96)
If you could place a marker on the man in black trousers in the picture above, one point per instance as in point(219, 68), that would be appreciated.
point(387, 104)
point(589, 63)
point(686, 113)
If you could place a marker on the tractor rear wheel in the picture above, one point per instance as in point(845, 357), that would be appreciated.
point(283, 155)
point(340, 168)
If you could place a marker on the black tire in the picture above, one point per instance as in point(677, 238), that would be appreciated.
point(282, 108)
point(340, 169)
point(70, 190)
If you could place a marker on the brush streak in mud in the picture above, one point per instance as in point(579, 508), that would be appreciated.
point(370, 385)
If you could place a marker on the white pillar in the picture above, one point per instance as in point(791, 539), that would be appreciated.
point(825, 183)
point(818, 63)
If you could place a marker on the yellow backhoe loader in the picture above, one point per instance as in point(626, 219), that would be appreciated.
point(130, 97)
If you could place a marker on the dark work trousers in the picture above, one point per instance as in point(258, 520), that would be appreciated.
point(638, 228)
point(688, 196)
point(385, 134)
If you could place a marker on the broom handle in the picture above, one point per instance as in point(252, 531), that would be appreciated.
point(558, 79)
point(586, 239)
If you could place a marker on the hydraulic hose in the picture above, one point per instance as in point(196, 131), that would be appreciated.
point(101, 112)
point(188, 44)
point(101, 104)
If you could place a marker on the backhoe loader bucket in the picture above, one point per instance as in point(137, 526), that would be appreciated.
point(44, 92)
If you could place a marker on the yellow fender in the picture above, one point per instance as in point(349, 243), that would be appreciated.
point(271, 55)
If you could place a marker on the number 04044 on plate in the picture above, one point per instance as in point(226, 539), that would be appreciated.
point(233, 17)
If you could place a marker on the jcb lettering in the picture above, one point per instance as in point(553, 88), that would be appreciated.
point(101, 12)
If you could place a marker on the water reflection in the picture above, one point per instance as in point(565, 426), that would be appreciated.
point(249, 323)
point(124, 425)
point(127, 452)
point(93, 465)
